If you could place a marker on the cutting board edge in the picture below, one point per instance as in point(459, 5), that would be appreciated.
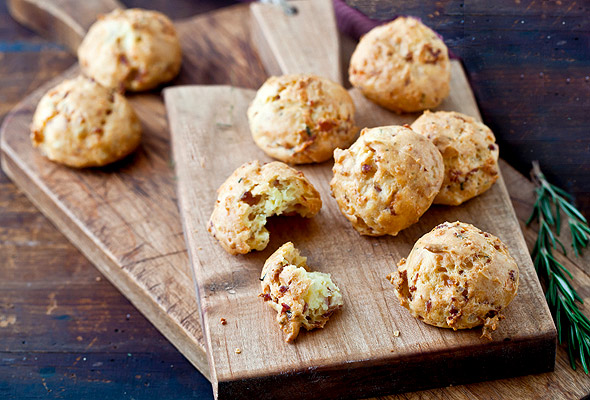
point(467, 369)
point(41, 198)
point(209, 367)
point(539, 293)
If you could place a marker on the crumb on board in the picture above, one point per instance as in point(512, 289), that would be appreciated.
point(396, 333)
point(223, 321)
point(238, 350)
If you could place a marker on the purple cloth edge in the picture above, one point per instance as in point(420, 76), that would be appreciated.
point(355, 24)
point(352, 22)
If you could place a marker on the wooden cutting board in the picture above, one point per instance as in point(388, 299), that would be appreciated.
point(357, 354)
point(107, 212)
point(124, 218)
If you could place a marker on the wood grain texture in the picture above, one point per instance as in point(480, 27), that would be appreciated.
point(67, 332)
point(92, 320)
point(127, 236)
point(124, 217)
point(528, 64)
point(62, 21)
point(38, 261)
point(356, 354)
point(305, 42)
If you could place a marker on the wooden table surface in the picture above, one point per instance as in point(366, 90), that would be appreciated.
point(65, 332)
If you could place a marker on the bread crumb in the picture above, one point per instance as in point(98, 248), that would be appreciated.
point(396, 333)
point(98, 279)
point(223, 321)
point(238, 350)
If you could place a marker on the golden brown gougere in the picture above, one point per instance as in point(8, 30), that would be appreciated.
point(80, 123)
point(457, 276)
point(386, 180)
point(131, 49)
point(302, 118)
point(403, 66)
point(469, 151)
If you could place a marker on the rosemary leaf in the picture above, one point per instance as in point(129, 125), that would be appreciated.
point(561, 267)
point(573, 327)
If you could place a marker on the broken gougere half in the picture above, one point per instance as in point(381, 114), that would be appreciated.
point(457, 276)
point(300, 297)
point(253, 193)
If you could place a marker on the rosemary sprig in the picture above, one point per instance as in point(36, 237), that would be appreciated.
point(573, 327)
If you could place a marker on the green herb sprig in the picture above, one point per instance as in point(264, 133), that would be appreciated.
point(573, 327)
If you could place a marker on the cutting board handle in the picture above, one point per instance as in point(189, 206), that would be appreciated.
point(305, 41)
point(62, 21)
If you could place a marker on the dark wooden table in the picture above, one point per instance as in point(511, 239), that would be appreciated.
point(529, 65)
point(65, 332)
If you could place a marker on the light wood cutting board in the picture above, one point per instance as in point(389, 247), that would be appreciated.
point(124, 218)
point(357, 354)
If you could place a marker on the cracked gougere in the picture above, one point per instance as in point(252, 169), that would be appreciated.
point(253, 193)
point(300, 297)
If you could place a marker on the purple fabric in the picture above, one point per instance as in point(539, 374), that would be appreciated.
point(352, 22)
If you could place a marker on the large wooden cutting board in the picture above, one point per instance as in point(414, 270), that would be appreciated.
point(357, 354)
point(103, 212)
point(124, 218)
